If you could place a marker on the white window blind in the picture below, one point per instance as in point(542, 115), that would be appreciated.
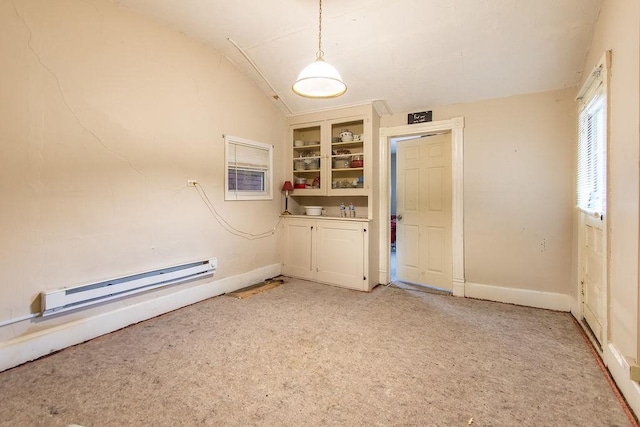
point(591, 173)
point(248, 169)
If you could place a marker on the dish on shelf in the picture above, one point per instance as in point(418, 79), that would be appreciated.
point(340, 163)
point(311, 164)
point(298, 143)
point(342, 154)
point(308, 160)
point(346, 183)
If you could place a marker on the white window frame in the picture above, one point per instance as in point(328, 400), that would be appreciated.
point(591, 179)
point(231, 164)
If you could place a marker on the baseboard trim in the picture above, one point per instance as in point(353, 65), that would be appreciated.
point(620, 371)
point(458, 288)
point(576, 309)
point(32, 346)
point(382, 276)
point(526, 297)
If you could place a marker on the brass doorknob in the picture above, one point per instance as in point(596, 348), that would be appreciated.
point(399, 217)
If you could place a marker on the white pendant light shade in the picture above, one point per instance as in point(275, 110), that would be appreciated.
point(319, 80)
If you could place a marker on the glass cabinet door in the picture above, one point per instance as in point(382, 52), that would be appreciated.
point(347, 158)
point(307, 165)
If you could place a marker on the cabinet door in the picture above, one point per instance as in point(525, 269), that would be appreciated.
point(349, 156)
point(307, 160)
point(298, 249)
point(340, 254)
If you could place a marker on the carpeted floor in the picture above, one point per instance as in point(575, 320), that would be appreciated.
point(305, 353)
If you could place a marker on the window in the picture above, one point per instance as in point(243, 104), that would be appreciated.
point(248, 171)
point(592, 142)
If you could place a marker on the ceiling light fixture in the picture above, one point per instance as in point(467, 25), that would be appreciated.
point(319, 79)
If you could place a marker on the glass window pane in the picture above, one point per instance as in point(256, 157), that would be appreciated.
point(246, 180)
point(248, 173)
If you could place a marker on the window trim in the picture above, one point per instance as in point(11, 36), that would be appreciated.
point(593, 94)
point(234, 195)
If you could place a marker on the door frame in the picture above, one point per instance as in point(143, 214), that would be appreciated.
point(455, 126)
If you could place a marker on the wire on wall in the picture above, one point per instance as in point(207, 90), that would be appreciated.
point(228, 227)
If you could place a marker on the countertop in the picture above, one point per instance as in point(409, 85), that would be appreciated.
point(329, 218)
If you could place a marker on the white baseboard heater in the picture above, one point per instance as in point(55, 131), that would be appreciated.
point(59, 300)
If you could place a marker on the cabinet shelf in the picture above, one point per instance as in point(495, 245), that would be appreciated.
point(333, 156)
point(346, 169)
point(306, 147)
point(350, 144)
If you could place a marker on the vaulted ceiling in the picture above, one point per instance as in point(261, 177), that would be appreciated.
point(408, 54)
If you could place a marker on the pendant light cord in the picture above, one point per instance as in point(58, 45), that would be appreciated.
point(320, 52)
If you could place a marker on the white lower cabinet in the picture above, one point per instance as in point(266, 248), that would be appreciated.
point(327, 250)
point(298, 253)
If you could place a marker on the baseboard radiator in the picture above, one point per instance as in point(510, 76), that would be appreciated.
point(60, 300)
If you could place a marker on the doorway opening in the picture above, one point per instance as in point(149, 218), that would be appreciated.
point(454, 129)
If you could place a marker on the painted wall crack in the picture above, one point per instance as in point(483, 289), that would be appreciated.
point(64, 97)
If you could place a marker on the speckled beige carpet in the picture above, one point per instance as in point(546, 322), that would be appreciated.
point(309, 354)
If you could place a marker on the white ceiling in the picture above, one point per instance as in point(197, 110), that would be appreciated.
point(413, 54)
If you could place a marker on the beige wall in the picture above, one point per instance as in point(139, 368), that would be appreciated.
point(518, 189)
point(618, 29)
point(104, 117)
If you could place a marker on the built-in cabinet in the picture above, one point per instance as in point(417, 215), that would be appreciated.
point(332, 157)
point(327, 250)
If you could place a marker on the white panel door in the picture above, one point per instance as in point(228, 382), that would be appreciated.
point(424, 207)
point(340, 254)
point(593, 273)
point(298, 249)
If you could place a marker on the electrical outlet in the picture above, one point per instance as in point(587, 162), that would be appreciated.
point(191, 182)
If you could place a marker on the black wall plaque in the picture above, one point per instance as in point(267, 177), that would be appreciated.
point(421, 117)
